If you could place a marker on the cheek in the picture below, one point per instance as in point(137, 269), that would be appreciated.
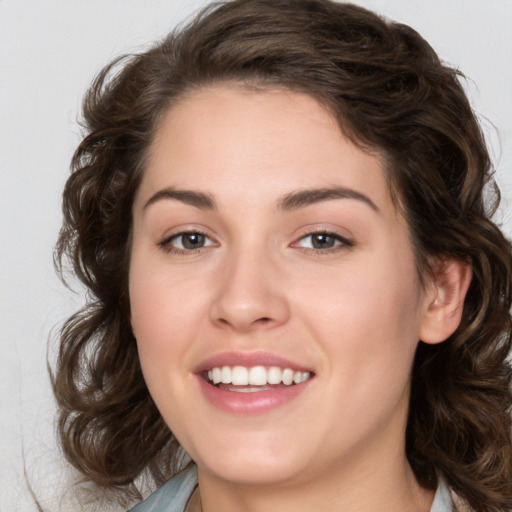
point(162, 305)
point(161, 327)
point(368, 318)
point(364, 296)
point(162, 323)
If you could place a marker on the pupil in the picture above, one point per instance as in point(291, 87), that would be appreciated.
point(322, 241)
point(193, 240)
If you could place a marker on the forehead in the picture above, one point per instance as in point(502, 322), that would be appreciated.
point(227, 138)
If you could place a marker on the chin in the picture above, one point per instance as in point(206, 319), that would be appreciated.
point(253, 462)
point(253, 472)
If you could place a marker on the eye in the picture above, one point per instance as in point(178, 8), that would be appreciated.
point(186, 241)
point(323, 242)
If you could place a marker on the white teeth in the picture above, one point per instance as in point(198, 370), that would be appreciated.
point(274, 375)
point(216, 375)
point(239, 376)
point(245, 389)
point(225, 375)
point(256, 376)
point(299, 377)
point(287, 376)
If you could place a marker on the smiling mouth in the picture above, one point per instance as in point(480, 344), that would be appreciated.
point(257, 378)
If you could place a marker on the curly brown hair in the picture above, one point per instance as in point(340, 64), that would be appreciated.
point(389, 92)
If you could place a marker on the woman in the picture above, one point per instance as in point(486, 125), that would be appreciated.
point(279, 214)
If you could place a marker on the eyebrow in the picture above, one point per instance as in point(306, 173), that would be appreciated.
point(191, 197)
point(301, 198)
point(290, 202)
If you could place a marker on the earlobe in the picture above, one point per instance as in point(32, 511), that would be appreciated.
point(445, 299)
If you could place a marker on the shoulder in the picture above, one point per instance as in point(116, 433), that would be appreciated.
point(173, 495)
point(445, 500)
point(442, 500)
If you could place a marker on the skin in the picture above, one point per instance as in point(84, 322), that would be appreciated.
point(352, 313)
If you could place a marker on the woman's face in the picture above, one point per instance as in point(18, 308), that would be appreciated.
point(266, 247)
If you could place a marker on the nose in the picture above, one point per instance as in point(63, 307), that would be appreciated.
point(250, 294)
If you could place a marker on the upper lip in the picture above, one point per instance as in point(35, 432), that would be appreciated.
point(249, 360)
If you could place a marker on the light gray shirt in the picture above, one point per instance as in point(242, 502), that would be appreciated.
point(174, 495)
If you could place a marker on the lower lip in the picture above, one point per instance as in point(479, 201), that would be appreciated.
point(256, 402)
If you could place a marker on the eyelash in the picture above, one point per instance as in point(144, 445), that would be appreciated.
point(166, 243)
point(340, 243)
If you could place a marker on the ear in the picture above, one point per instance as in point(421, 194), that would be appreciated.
point(445, 299)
